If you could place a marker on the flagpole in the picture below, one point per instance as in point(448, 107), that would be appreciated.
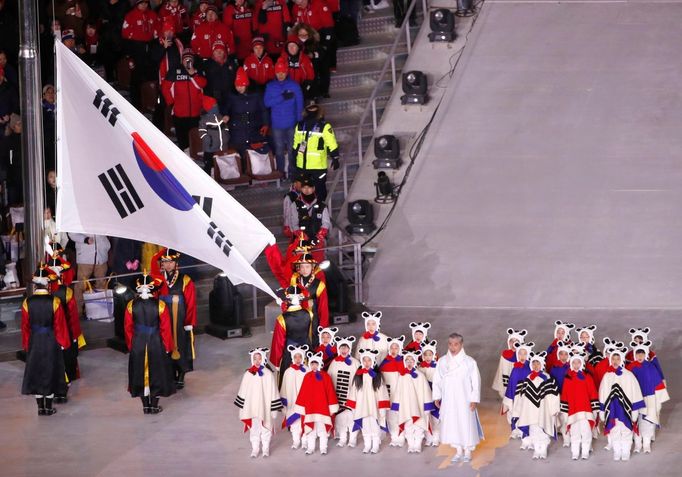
point(31, 136)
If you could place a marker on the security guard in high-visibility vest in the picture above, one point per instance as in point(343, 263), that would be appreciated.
point(314, 140)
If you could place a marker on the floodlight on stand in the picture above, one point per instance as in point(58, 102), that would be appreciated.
point(442, 23)
point(324, 264)
point(387, 152)
point(225, 310)
point(122, 296)
point(414, 87)
point(465, 8)
point(360, 218)
point(384, 189)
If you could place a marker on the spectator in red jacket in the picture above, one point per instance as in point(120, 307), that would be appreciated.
point(199, 15)
point(174, 12)
point(319, 15)
point(259, 67)
point(300, 67)
point(183, 90)
point(139, 29)
point(238, 17)
point(271, 19)
point(206, 34)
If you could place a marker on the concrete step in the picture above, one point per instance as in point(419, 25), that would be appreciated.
point(371, 47)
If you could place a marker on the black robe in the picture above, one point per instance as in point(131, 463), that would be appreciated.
point(146, 340)
point(300, 330)
point(44, 373)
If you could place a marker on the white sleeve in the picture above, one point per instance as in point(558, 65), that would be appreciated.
point(475, 376)
point(437, 384)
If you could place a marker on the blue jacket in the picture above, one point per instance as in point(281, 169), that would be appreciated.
point(284, 113)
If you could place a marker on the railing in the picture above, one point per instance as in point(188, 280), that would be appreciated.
point(341, 175)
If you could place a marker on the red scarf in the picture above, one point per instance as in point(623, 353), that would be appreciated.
point(424, 364)
point(519, 364)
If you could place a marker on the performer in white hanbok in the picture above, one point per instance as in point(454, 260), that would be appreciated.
point(372, 338)
point(291, 385)
point(428, 367)
point(342, 369)
point(457, 391)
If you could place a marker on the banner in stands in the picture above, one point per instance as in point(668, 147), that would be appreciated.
point(119, 175)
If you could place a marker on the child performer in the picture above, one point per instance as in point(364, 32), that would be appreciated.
point(327, 346)
point(391, 368)
point(558, 373)
point(419, 334)
point(562, 332)
point(505, 366)
point(372, 338)
point(520, 371)
point(428, 367)
point(342, 369)
point(291, 385)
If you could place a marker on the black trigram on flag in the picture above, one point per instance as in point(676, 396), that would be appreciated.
point(106, 107)
point(205, 203)
point(219, 237)
point(121, 191)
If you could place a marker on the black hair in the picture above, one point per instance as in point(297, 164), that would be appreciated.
point(377, 380)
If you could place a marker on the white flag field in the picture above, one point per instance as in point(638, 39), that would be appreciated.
point(119, 175)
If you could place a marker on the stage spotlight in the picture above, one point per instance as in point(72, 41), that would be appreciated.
point(122, 296)
point(387, 152)
point(465, 8)
point(414, 87)
point(225, 307)
point(360, 217)
point(442, 23)
point(384, 188)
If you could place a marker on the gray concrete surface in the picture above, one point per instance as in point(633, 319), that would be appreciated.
point(102, 431)
point(552, 175)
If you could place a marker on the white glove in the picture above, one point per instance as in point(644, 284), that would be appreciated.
point(188, 327)
point(602, 416)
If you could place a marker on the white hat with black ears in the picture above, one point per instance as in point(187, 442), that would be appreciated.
point(561, 346)
point(316, 357)
point(423, 327)
point(414, 354)
point(618, 351)
point(589, 330)
point(263, 352)
point(610, 345)
point(641, 332)
point(577, 351)
point(539, 357)
point(332, 330)
point(644, 346)
point(400, 340)
point(344, 342)
point(294, 350)
point(372, 316)
point(567, 327)
point(527, 346)
point(429, 346)
point(372, 354)
point(518, 335)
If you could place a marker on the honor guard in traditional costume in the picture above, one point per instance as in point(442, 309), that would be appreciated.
point(68, 303)
point(654, 391)
point(536, 406)
point(44, 334)
point(149, 339)
point(621, 401)
point(317, 404)
point(579, 405)
point(428, 368)
point(66, 273)
point(259, 402)
point(291, 385)
point(342, 369)
point(306, 277)
point(368, 398)
point(390, 368)
point(372, 338)
point(178, 292)
point(412, 403)
point(506, 365)
point(293, 327)
point(420, 332)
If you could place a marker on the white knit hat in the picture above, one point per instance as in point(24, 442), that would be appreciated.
point(429, 346)
point(567, 327)
point(527, 346)
point(641, 332)
point(518, 335)
point(423, 327)
point(372, 316)
point(589, 330)
point(400, 340)
point(317, 357)
point(561, 346)
point(372, 354)
point(332, 330)
point(645, 346)
point(619, 351)
point(294, 350)
point(539, 357)
point(344, 341)
point(610, 345)
point(263, 352)
point(415, 355)
point(577, 352)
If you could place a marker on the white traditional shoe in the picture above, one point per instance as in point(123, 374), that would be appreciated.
point(467, 456)
point(323, 451)
point(536, 455)
point(456, 458)
point(254, 453)
point(266, 453)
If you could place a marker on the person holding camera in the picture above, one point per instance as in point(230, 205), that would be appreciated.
point(183, 91)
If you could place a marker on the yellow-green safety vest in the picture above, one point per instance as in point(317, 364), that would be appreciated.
point(312, 145)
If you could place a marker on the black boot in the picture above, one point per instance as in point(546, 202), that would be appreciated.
point(60, 399)
point(180, 381)
point(155, 408)
point(48, 407)
point(41, 406)
point(146, 407)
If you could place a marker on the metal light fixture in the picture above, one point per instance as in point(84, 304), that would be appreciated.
point(360, 217)
point(442, 23)
point(122, 296)
point(384, 187)
point(414, 87)
point(387, 152)
point(225, 305)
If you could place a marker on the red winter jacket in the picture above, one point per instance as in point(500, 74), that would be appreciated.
point(240, 21)
point(184, 93)
point(206, 34)
point(198, 18)
point(300, 67)
point(316, 14)
point(259, 70)
point(176, 15)
point(270, 25)
point(139, 25)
